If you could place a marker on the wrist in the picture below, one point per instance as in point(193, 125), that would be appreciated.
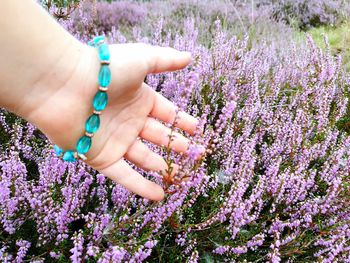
point(46, 78)
point(38, 56)
point(62, 96)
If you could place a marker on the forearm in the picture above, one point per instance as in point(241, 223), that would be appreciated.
point(35, 52)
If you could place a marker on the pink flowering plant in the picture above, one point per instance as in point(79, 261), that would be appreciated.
point(273, 186)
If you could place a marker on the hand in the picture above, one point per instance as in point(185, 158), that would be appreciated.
point(49, 78)
point(133, 110)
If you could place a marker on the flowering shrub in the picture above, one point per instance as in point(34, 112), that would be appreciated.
point(60, 9)
point(96, 17)
point(273, 186)
point(237, 17)
point(311, 13)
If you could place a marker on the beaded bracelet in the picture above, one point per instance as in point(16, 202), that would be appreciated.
point(99, 104)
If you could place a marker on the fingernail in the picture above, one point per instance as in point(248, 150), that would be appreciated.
point(186, 53)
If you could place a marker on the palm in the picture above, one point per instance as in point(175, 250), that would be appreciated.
point(121, 124)
point(131, 113)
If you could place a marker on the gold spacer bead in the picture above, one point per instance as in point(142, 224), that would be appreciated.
point(82, 156)
point(100, 42)
point(97, 112)
point(89, 134)
point(103, 88)
point(75, 155)
point(105, 62)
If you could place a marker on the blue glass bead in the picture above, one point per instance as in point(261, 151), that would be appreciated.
point(92, 124)
point(83, 144)
point(100, 100)
point(98, 39)
point(91, 43)
point(58, 150)
point(103, 52)
point(68, 156)
point(104, 76)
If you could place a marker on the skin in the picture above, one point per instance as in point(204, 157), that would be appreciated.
point(49, 78)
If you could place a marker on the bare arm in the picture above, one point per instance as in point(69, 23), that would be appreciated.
point(35, 52)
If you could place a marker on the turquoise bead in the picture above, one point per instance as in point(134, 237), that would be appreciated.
point(103, 52)
point(100, 100)
point(58, 150)
point(68, 156)
point(98, 39)
point(92, 124)
point(84, 144)
point(104, 76)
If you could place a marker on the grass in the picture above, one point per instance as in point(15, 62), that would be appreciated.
point(338, 37)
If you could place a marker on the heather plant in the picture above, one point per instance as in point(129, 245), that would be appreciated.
point(312, 13)
point(99, 16)
point(274, 184)
point(238, 18)
point(339, 40)
point(60, 9)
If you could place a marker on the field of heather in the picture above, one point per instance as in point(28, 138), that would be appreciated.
point(270, 84)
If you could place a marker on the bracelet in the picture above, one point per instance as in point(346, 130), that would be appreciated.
point(99, 104)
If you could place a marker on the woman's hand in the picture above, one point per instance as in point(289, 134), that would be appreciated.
point(133, 111)
point(49, 78)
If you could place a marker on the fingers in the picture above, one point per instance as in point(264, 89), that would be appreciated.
point(123, 174)
point(161, 59)
point(159, 134)
point(143, 157)
point(165, 110)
